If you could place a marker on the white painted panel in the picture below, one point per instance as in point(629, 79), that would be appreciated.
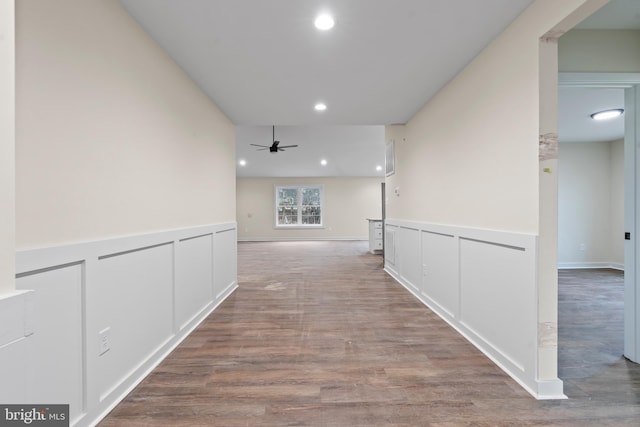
point(498, 297)
point(133, 297)
point(194, 275)
point(409, 256)
point(390, 245)
point(13, 371)
point(224, 261)
point(55, 358)
point(12, 317)
point(440, 271)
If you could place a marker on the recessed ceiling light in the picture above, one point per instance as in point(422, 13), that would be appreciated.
point(607, 114)
point(324, 22)
point(242, 162)
point(378, 168)
point(323, 162)
point(320, 106)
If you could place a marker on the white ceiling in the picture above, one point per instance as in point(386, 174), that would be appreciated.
point(575, 106)
point(615, 15)
point(263, 63)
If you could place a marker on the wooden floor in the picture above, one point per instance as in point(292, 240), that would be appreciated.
point(318, 335)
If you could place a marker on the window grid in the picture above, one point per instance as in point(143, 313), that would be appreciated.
point(298, 206)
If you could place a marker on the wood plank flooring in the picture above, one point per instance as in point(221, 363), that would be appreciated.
point(318, 335)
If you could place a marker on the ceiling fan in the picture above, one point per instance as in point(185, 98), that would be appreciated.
point(274, 148)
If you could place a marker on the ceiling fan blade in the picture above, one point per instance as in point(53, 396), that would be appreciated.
point(258, 145)
point(287, 146)
point(262, 149)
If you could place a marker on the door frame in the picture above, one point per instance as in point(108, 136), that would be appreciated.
point(630, 82)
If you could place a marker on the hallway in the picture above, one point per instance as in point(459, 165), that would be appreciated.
point(318, 335)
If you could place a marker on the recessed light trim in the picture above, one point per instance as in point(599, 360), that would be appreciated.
point(378, 168)
point(323, 162)
point(324, 22)
point(607, 114)
point(320, 106)
point(242, 162)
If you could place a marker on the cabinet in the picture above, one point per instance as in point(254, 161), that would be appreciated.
point(375, 235)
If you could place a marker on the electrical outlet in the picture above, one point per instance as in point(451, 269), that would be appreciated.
point(104, 341)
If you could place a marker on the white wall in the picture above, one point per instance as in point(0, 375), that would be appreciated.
point(599, 51)
point(7, 147)
point(477, 280)
point(113, 138)
point(347, 204)
point(149, 291)
point(590, 204)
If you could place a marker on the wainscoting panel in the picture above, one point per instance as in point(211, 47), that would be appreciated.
point(57, 324)
point(408, 248)
point(194, 277)
point(15, 340)
point(225, 268)
point(440, 283)
point(482, 282)
point(390, 246)
point(133, 300)
point(497, 300)
point(105, 313)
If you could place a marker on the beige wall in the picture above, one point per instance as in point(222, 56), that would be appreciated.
point(469, 157)
point(599, 51)
point(591, 203)
point(112, 137)
point(471, 154)
point(347, 204)
point(7, 148)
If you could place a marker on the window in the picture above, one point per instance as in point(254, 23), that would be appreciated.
point(299, 206)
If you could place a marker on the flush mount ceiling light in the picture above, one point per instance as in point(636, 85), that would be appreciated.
point(378, 168)
point(324, 22)
point(323, 162)
point(242, 162)
point(607, 114)
point(320, 106)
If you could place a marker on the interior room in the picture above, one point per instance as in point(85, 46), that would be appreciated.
point(190, 193)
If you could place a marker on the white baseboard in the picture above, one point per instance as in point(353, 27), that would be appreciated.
point(481, 282)
point(589, 265)
point(299, 239)
point(148, 291)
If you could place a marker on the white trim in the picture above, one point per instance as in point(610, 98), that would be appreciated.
point(589, 265)
point(298, 225)
point(298, 239)
point(444, 281)
point(108, 257)
point(603, 80)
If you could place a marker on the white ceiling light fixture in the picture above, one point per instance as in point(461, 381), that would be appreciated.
point(323, 162)
point(607, 114)
point(378, 168)
point(324, 22)
point(320, 106)
point(242, 162)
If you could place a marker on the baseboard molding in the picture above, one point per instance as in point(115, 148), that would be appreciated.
point(482, 283)
point(140, 374)
point(147, 291)
point(589, 265)
point(300, 239)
